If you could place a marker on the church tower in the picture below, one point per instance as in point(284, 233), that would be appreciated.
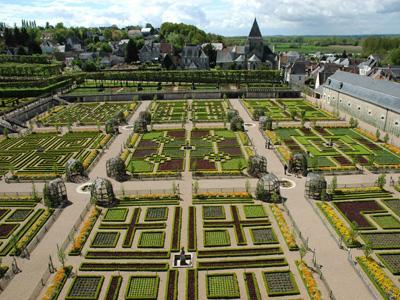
point(255, 43)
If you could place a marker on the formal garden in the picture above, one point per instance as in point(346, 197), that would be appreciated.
point(219, 152)
point(334, 148)
point(209, 110)
point(139, 236)
point(85, 113)
point(169, 111)
point(44, 155)
point(156, 153)
point(286, 110)
point(21, 219)
point(369, 218)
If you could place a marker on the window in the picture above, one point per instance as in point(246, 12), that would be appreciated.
point(370, 112)
point(396, 123)
point(359, 108)
point(349, 104)
point(382, 117)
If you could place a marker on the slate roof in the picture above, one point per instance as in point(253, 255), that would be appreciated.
point(255, 30)
point(254, 58)
point(382, 93)
point(224, 56)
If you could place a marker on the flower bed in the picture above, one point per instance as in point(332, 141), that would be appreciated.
point(283, 226)
point(143, 287)
point(192, 233)
point(57, 283)
point(253, 292)
point(81, 237)
point(241, 264)
point(191, 285)
point(127, 254)
point(222, 286)
point(113, 288)
point(309, 281)
point(176, 230)
point(213, 212)
point(216, 238)
point(85, 287)
point(156, 214)
point(354, 211)
point(280, 283)
point(382, 282)
point(172, 285)
point(132, 267)
point(337, 223)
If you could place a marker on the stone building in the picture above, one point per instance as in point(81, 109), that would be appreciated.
point(376, 102)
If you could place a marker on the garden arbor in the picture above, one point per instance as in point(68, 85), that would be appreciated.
point(115, 168)
point(257, 166)
point(145, 115)
point(112, 126)
point(140, 126)
point(268, 188)
point(55, 193)
point(237, 124)
point(74, 169)
point(298, 164)
point(265, 123)
point(231, 113)
point(102, 192)
point(315, 186)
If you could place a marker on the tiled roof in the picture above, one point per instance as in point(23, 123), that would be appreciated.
point(382, 93)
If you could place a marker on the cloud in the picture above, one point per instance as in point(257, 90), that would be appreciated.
point(228, 17)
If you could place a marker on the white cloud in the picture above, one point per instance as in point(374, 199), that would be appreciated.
point(231, 17)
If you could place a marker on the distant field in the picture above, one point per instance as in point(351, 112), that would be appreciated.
point(304, 48)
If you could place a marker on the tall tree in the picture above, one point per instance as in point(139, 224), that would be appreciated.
point(131, 52)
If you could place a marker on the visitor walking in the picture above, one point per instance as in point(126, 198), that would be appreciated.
point(285, 169)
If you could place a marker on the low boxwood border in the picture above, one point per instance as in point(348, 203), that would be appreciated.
point(256, 287)
point(237, 252)
point(163, 218)
point(241, 264)
point(295, 291)
point(113, 245)
point(98, 290)
point(113, 295)
point(142, 276)
point(134, 267)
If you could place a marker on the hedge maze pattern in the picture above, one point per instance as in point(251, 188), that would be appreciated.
point(45, 153)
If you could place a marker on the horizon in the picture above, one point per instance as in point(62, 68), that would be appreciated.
point(230, 19)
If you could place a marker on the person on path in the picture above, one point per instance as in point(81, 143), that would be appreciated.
point(285, 169)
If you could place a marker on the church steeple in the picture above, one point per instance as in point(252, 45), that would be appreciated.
point(255, 30)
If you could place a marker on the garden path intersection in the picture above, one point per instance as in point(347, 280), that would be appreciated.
point(234, 225)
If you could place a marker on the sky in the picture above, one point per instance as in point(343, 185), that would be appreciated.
point(225, 17)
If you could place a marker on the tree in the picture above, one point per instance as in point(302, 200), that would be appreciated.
point(386, 138)
point(381, 181)
point(247, 186)
point(195, 187)
point(367, 249)
point(61, 255)
point(395, 56)
point(131, 52)
point(378, 134)
point(333, 185)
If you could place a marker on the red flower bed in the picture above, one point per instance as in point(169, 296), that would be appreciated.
point(237, 225)
point(191, 285)
point(140, 153)
point(228, 143)
point(172, 282)
point(343, 160)
point(232, 151)
point(192, 229)
point(147, 144)
point(368, 144)
point(179, 134)
point(175, 244)
point(202, 164)
point(114, 288)
point(353, 209)
point(172, 165)
point(200, 133)
point(7, 229)
point(321, 130)
point(3, 212)
point(251, 288)
point(362, 160)
point(306, 131)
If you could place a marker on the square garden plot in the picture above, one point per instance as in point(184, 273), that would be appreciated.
point(156, 214)
point(393, 204)
point(254, 211)
point(348, 146)
point(262, 236)
point(382, 240)
point(386, 221)
point(7, 229)
point(19, 215)
point(105, 239)
point(280, 283)
point(168, 111)
point(142, 287)
point(116, 215)
point(213, 212)
point(151, 239)
point(391, 261)
point(85, 287)
point(216, 238)
point(222, 286)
